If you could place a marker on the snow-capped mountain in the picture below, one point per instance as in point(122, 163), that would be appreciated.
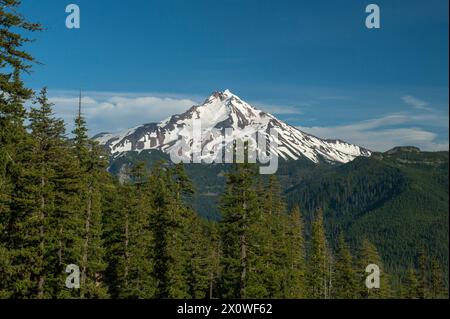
point(224, 110)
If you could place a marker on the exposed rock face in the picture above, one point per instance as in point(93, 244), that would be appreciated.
point(224, 110)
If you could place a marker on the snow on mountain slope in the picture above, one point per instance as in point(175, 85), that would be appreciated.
point(224, 110)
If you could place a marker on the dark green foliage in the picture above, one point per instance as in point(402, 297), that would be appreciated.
point(45, 199)
point(92, 177)
point(368, 255)
point(424, 281)
point(294, 285)
point(399, 202)
point(202, 259)
point(14, 61)
point(139, 237)
point(437, 286)
point(159, 248)
point(262, 246)
point(32, 235)
point(319, 262)
point(239, 212)
point(411, 286)
point(423, 275)
point(345, 281)
point(131, 250)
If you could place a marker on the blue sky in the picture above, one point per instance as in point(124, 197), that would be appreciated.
point(313, 64)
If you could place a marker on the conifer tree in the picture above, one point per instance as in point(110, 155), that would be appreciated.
point(369, 255)
point(437, 289)
point(5, 273)
point(67, 222)
point(268, 257)
point(261, 272)
point(344, 283)
point(214, 255)
point(201, 266)
point(423, 274)
point(239, 212)
point(45, 164)
point(171, 223)
point(14, 61)
point(45, 149)
point(188, 270)
point(135, 264)
point(319, 263)
point(114, 200)
point(411, 287)
point(294, 280)
point(188, 247)
point(92, 162)
point(278, 224)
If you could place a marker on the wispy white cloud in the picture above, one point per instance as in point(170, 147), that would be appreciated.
point(416, 103)
point(381, 134)
point(117, 111)
point(387, 131)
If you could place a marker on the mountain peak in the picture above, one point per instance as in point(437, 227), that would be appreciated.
point(224, 110)
point(221, 95)
point(227, 92)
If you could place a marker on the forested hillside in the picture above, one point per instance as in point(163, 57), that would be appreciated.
point(308, 233)
point(397, 199)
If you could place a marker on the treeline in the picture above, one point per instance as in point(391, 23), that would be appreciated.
point(139, 239)
point(351, 189)
point(403, 208)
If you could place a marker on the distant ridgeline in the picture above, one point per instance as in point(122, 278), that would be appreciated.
point(61, 211)
point(397, 199)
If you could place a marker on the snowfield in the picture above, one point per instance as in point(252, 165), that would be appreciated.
point(224, 110)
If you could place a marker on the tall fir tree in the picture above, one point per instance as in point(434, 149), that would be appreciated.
point(267, 257)
point(239, 209)
point(369, 255)
point(116, 197)
point(197, 245)
point(345, 276)
point(43, 193)
point(423, 274)
point(201, 266)
point(411, 285)
point(214, 256)
point(294, 279)
point(46, 157)
point(14, 61)
point(319, 263)
point(170, 224)
point(136, 263)
point(92, 162)
point(278, 222)
point(437, 288)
